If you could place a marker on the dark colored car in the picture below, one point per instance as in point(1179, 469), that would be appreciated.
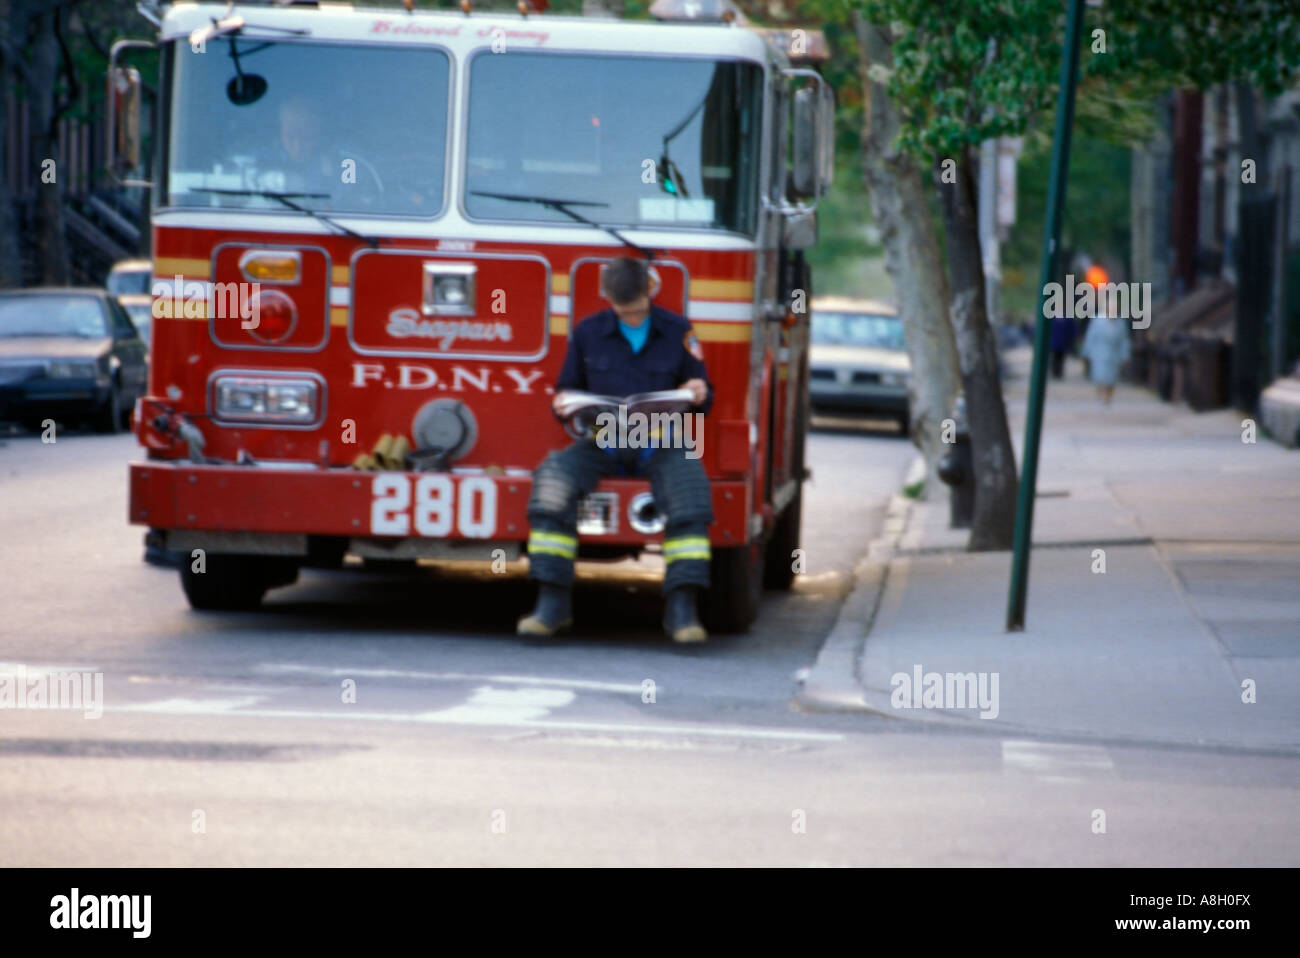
point(69, 355)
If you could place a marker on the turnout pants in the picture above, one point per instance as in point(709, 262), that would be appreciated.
point(681, 493)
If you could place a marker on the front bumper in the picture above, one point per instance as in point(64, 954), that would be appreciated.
point(56, 398)
point(858, 397)
point(276, 505)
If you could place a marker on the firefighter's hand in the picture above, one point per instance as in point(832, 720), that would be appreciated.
point(699, 389)
point(556, 400)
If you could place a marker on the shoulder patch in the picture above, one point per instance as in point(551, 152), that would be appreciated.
point(692, 344)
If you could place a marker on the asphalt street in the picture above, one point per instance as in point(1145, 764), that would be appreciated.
point(231, 739)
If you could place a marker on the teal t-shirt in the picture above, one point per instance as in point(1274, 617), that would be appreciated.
point(635, 335)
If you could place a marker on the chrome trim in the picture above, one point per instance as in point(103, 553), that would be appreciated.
point(210, 392)
point(429, 305)
point(427, 354)
point(611, 509)
point(295, 247)
point(604, 260)
point(645, 527)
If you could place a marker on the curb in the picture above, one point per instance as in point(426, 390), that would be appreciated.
point(832, 683)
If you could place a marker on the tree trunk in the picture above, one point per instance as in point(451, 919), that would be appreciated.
point(993, 524)
point(10, 257)
point(907, 232)
point(51, 246)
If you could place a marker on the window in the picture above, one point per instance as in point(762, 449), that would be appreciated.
point(342, 128)
point(625, 141)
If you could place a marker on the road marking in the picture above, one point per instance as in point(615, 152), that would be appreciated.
point(184, 706)
point(460, 715)
point(1053, 761)
point(45, 671)
point(587, 684)
point(489, 706)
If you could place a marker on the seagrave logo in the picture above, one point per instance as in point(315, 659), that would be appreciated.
point(102, 911)
point(653, 430)
point(946, 690)
point(1085, 300)
point(404, 323)
point(31, 688)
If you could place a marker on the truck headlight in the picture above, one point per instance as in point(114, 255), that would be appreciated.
point(71, 369)
point(449, 289)
point(893, 379)
point(267, 399)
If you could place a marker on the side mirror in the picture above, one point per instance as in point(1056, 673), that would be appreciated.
point(122, 131)
point(806, 159)
point(124, 106)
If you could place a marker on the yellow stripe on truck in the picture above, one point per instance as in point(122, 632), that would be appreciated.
point(167, 267)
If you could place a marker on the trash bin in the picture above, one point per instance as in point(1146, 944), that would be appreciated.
point(1207, 373)
point(1139, 359)
point(1178, 351)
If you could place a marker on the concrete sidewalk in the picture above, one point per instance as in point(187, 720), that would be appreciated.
point(1199, 534)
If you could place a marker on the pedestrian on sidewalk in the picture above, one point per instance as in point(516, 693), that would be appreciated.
point(1063, 334)
point(1106, 347)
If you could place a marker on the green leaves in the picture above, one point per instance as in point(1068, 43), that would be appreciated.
point(968, 70)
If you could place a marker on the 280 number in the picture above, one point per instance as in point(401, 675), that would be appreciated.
point(437, 510)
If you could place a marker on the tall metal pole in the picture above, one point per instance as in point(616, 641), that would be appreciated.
point(1042, 328)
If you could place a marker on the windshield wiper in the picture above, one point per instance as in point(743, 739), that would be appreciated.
point(562, 206)
point(287, 199)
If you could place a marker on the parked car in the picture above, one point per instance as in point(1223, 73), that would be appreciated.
point(131, 281)
point(68, 355)
point(858, 362)
point(130, 277)
point(141, 314)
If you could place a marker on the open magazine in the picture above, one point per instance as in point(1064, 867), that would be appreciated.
point(579, 410)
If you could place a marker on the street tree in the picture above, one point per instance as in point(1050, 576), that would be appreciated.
point(962, 74)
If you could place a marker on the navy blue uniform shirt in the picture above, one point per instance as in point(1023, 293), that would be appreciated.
point(600, 359)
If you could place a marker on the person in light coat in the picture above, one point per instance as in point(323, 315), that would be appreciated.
point(1106, 347)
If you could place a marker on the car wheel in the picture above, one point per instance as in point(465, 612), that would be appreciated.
point(905, 424)
point(735, 587)
point(108, 417)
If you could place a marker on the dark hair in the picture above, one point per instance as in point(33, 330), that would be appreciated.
point(626, 280)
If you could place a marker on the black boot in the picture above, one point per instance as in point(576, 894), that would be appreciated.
point(554, 611)
point(681, 622)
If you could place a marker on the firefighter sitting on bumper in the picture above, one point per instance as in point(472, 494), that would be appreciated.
point(631, 348)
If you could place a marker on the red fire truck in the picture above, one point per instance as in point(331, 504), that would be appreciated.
point(373, 232)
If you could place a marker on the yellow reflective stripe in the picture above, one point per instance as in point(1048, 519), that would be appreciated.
point(552, 543)
point(686, 547)
point(686, 542)
point(560, 551)
point(556, 537)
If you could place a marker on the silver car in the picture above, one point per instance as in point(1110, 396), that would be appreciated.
point(858, 362)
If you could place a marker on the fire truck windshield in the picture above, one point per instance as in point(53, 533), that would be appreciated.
point(654, 142)
point(359, 129)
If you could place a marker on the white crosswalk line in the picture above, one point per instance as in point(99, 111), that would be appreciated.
point(1054, 761)
point(272, 668)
